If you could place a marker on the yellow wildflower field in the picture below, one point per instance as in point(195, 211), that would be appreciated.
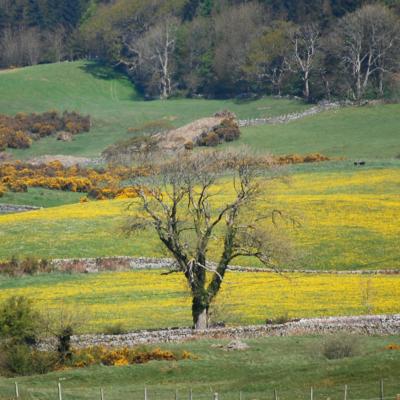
point(348, 220)
point(144, 299)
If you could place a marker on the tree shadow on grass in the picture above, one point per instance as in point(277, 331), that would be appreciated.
point(103, 71)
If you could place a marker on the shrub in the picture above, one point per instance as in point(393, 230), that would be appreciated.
point(339, 346)
point(19, 131)
point(19, 140)
point(279, 320)
point(228, 131)
point(115, 329)
point(20, 359)
point(19, 322)
point(27, 266)
point(189, 145)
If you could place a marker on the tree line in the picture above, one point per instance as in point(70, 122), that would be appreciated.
point(320, 49)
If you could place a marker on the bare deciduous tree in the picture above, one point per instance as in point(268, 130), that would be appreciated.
point(180, 205)
point(305, 40)
point(367, 44)
point(153, 54)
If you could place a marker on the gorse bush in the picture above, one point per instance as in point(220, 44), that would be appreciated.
point(227, 131)
point(99, 183)
point(18, 132)
point(100, 355)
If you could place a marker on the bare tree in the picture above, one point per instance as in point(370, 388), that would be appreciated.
point(180, 205)
point(153, 54)
point(9, 46)
point(21, 46)
point(367, 44)
point(305, 41)
point(31, 46)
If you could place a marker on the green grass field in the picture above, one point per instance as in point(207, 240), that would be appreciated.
point(291, 365)
point(111, 101)
point(370, 132)
point(40, 197)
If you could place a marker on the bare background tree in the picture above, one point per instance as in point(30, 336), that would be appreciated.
point(154, 51)
point(180, 205)
point(305, 41)
point(367, 43)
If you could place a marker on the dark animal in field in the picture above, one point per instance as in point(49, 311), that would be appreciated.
point(359, 163)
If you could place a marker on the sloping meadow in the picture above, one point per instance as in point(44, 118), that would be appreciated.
point(344, 221)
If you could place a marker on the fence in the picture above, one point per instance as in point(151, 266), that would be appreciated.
point(61, 390)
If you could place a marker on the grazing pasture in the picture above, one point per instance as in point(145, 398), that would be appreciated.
point(145, 299)
point(291, 365)
point(348, 220)
point(111, 101)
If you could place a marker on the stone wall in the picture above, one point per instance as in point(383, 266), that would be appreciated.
point(101, 264)
point(11, 208)
point(363, 325)
point(283, 119)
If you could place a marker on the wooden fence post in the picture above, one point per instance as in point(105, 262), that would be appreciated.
point(240, 395)
point(145, 393)
point(345, 392)
point(101, 394)
point(311, 393)
point(275, 394)
point(16, 390)
point(59, 391)
point(215, 396)
point(382, 396)
point(190, 394)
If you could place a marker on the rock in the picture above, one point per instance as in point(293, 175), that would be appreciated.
point(236, 345)
point(65, 136)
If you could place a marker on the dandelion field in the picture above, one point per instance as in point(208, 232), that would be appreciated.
point(347, 220)
point(144, 299)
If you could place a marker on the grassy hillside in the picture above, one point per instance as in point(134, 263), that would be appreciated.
point(142, 300)
point(349, 220)
point(291, 365)
point(40, 197)
point(370, 132)
point(111, 101)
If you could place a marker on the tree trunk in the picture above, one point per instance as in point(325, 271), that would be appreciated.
point(200, 312)
point(306, 86)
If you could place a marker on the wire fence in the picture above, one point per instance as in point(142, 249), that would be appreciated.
point(63, 390)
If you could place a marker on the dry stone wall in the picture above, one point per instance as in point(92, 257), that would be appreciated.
point(101, 264)
point(362, 325)
point(11, 208)
point(283, 119)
